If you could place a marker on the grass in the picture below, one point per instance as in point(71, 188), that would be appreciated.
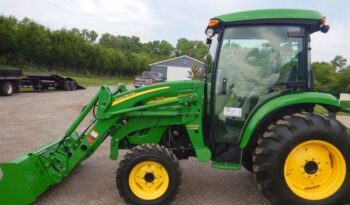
point(93, 80)
point(83, 80)
point(322, 111)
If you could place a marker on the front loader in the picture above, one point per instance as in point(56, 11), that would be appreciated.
point(254, 109)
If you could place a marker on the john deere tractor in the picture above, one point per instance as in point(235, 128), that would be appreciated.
point(254, 109)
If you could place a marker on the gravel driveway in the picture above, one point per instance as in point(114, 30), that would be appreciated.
point(29, 120)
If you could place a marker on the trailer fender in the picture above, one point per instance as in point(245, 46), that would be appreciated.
point(261, 112)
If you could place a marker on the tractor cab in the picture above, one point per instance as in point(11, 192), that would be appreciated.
point(254, 56)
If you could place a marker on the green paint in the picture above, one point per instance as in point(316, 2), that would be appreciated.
point(345, 106)
point(135, 119)
point(226, 166)
point(280, 102)
point(150, 135)
point(270, 14)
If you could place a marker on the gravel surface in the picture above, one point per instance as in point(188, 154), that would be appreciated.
point(29, 120)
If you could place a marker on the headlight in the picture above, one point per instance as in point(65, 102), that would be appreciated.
point(210, 32)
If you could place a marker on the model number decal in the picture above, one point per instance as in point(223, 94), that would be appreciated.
point(134, 94)
point(193, 127)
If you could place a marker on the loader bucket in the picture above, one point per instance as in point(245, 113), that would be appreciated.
point(22, 181)
point(25, 178)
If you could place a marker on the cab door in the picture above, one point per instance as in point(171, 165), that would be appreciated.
point(254, 63)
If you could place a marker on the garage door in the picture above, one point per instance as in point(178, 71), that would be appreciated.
point(178, 73)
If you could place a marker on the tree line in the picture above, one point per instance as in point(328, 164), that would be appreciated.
point(332, 77)
point(26, 42)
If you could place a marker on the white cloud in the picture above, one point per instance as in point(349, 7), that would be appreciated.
point(120, 17)
point(326, 46)
point(122, 12)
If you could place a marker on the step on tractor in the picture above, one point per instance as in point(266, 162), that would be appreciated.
point(254, 109)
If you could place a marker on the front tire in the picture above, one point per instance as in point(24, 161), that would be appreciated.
point(304, 158)
point(148, 175)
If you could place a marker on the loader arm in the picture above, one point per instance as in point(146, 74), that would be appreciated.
point(132, 117)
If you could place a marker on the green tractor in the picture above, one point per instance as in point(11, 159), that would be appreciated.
point(255, 109)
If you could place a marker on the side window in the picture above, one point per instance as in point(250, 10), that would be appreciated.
point(290, 60)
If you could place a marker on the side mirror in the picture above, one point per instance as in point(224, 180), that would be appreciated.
point(208, 41)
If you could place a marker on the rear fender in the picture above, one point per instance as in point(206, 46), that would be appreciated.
point(295, 99)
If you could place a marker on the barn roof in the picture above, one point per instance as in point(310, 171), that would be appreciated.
point(184, 56)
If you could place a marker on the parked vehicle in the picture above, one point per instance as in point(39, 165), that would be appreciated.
point(12, 79)
point(148, 78)
point(138, 81)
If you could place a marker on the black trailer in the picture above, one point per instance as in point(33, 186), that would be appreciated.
point(12, 79)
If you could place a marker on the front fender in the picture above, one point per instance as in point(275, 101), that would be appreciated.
point(283, 101)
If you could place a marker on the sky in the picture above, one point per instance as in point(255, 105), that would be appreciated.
point(170, 20)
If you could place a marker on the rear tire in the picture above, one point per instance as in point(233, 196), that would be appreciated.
point(149, 175)
point(304, 158)
point(74, 85)
point(67, 85)
point(7, 88)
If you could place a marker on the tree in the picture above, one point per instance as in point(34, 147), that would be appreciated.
point(161, 48)
point(124, 43)
point(339, 62)
point(195, 73)
point(89, 36)
point(326, 79)
point(33, 42)
point(8, 38)
point(343, 81)
point(324, 76)
point(195, 49)
point(165, 48)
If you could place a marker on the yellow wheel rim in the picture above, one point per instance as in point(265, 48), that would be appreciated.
point(148, 180)
point(315, 170)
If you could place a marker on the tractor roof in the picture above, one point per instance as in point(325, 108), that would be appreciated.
point(270, 14)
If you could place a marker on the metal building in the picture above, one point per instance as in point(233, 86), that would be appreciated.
point(176, 68)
